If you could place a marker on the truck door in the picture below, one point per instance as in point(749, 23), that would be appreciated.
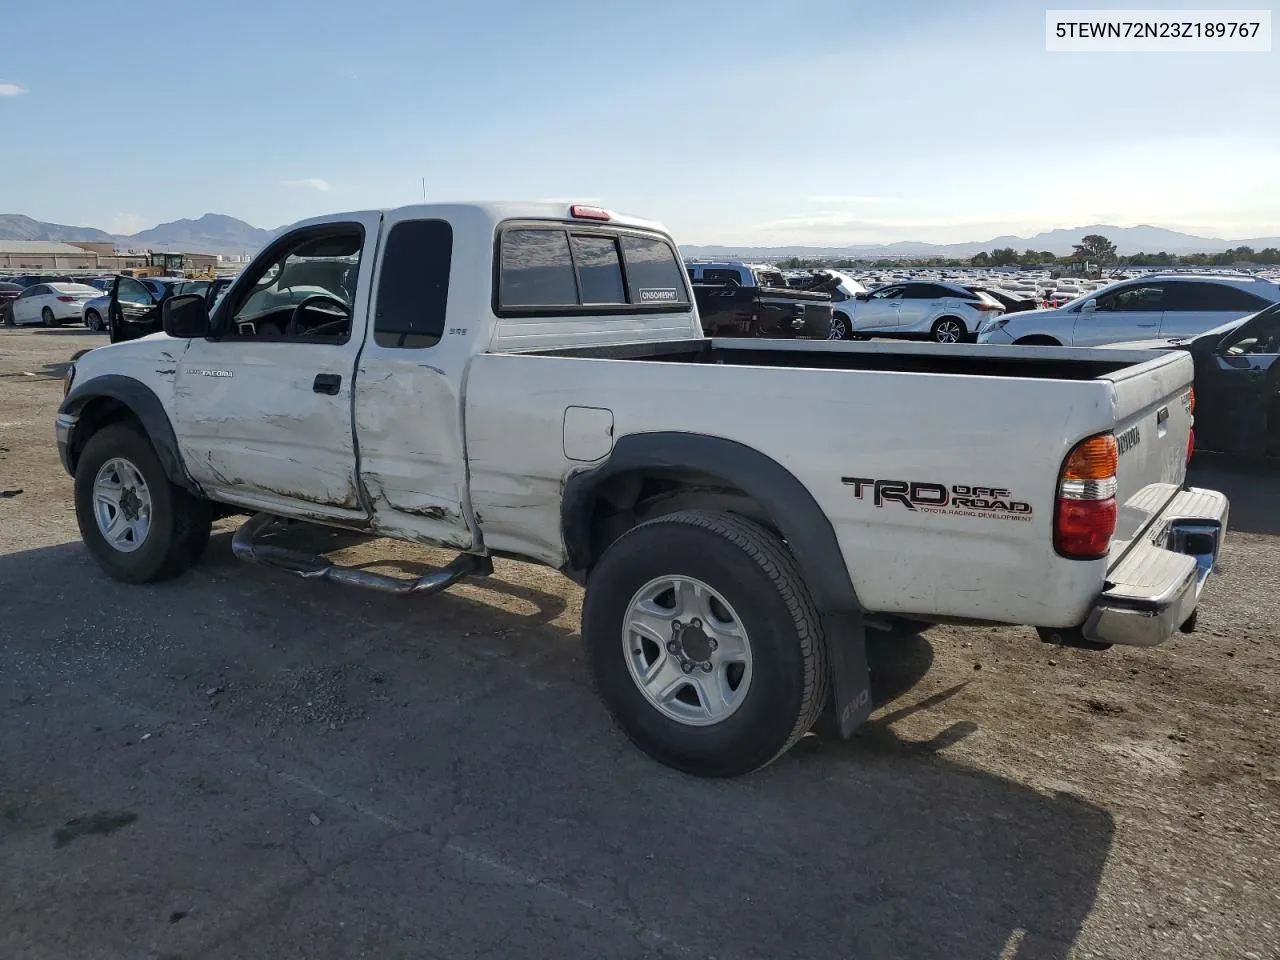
point(408, 406)
point(264, 404)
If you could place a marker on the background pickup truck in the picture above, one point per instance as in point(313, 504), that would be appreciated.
point(531, 381)
point(738, 300)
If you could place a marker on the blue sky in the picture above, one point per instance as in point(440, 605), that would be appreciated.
point(809, 121)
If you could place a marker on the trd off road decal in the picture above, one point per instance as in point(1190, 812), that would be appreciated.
point(963, 500)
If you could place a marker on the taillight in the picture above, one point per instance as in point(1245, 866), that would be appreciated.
point(984, 307)
point(583, 212)
point(1084, 518)
point(67, 299)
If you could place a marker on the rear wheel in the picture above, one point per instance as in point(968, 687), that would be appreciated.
point(704, 642)
point(138, 526)
point(948, 330)
point(47, 318)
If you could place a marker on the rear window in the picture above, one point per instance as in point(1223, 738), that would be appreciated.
point(599, 269)
point(544, 268)
point(653, 273)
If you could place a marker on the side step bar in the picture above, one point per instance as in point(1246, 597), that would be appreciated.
point(315, 567)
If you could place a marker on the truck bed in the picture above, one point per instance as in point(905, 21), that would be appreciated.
point(1037, 363)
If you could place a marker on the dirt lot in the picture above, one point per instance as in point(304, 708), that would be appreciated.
point(240, 764)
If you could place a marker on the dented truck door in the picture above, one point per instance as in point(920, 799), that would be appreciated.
point(408, 403)
point(263, 405)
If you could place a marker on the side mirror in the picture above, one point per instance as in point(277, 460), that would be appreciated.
point(863, 297)
point(1089, 305)
point(185, 317)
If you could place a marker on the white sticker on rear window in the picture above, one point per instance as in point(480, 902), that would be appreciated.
point(658, 295)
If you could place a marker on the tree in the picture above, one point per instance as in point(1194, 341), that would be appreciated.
point(980, 259)
point(1004, 257)
point(1095, 247)
point(1046, 256)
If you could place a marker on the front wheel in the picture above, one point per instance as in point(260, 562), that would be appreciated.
point(841, 328)
point(93, 321)
point(704, 642)
point(948, 330)
point(138, 526)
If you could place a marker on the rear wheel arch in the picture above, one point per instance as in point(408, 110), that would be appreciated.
point(114, 398)
point(653, 474)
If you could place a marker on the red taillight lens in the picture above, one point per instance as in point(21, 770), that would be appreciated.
point(67, 299)
point(1084, 519)
point(1083, 528)
point(985, 306)
point(1191, 435)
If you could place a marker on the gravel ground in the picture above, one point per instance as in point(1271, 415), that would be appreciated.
point(240, 764)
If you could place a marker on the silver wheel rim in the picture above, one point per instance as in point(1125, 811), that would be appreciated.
point(687, 651)
point(122, 505)
point(948, 332)
point(837, 330)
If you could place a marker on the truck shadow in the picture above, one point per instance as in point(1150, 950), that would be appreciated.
point(481, 721)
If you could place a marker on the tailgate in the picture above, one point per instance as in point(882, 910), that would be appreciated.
point(1153, 429)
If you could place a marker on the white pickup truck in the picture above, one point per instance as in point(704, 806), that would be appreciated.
point(531, 381)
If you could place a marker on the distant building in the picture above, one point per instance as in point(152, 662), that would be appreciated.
point(45, 255)
point(17, 256)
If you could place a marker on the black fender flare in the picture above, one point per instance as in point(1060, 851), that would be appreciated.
point(790, 506)
point(143, 403)
point(785, 499)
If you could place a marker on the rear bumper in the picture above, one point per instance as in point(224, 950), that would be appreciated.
point(1154, 590)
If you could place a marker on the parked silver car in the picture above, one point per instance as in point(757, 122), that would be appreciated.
point(1176, 305)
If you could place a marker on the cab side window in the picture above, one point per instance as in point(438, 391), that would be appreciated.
point(1142, 299)
point(304, 293)
point(413, 284)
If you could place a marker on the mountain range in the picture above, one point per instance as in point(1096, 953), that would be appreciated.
point(218, 233)
point(1128, 240)
point(212, 233)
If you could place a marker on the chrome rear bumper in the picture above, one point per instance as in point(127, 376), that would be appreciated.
point(1154, 590)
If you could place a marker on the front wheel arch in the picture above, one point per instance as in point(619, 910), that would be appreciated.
point(109, 399)
point(1037, 340)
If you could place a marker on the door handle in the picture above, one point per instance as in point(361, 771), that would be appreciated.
point(1144, 324)
point(329, 383)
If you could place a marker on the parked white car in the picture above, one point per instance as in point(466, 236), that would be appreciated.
point(932, 310)
point(1178, 305)
point(52, 304)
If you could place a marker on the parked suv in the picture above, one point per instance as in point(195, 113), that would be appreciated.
point(1177, 305)
point(942, 312)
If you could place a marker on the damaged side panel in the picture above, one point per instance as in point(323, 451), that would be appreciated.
point(412, 463)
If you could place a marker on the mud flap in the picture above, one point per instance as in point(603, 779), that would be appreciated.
point(850, 675)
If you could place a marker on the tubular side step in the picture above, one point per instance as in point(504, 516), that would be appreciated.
point(315, 567)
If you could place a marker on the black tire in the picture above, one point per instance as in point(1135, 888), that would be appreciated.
point(179, 522)
point(48, 319)
point(841, 327)
point(759, 578)
point(93, 320)
point(1037, 341)
point(950, 328)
